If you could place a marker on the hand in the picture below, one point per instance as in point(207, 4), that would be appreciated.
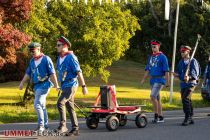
point(84, 90)
point(186, 78)
point(175, 74)
point(57, 88)
point(167, 85)
point(21, 86)
point(142, 81)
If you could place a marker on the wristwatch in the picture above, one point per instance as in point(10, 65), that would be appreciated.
point(83, 86)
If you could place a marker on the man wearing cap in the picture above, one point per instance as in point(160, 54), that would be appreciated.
point(158, 70)
point(68, 74)
point(188, 82)
point(40, 71)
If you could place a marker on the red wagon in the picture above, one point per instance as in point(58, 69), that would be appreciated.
point(114, 114)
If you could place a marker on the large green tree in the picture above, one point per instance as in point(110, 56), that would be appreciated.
point(99, 34)
point(43, 27)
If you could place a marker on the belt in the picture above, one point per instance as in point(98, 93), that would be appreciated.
point(41, 82)
point(157, 76)
point(73, 79)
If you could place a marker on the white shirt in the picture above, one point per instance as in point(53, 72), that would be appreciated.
point(186, 61)
point(62, 59)
point(37, 62)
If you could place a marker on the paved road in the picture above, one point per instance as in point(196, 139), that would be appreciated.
point(170, 130)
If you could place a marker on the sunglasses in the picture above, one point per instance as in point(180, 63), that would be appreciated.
point(32, 50)
point(153, 46)
point(59, 45)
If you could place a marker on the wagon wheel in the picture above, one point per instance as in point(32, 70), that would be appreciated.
point(112, 123)
point(92, 122)
point(141, 121)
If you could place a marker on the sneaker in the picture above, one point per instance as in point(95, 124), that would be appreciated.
point(39, 129)
point(155, 120)
point(73, 132)
point(61, 129)
point(160, 119)
point(46, 128)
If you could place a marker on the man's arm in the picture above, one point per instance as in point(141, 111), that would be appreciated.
point(167, 79)
point(25, 78)
point(82, 82)
point(145, 76)
point(195, 70)
point(53, 77)
point(175, 74)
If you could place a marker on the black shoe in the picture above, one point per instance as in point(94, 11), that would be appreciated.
point(185, 122)
point(61, 129)
point(155, 120)
point(160, 119)
point(191, 121)
point(73, 133)
point(208, 114)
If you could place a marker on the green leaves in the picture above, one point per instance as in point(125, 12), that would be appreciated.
point(99, 34)
point(191, 22)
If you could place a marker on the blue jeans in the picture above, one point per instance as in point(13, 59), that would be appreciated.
point(40, 106)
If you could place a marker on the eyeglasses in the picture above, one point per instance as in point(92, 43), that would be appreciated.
point(58, 45)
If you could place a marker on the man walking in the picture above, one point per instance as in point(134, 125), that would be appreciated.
point(68, 73)
point(158, 70)
point(40, 71)
point(188, 82)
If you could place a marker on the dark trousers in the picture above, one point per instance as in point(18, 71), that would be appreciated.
point(186, 94)
point(66, 101)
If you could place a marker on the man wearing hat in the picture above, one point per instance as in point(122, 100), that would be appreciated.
point(68, 74)
point(158, 70)
point(188, 82)
point(40, 71)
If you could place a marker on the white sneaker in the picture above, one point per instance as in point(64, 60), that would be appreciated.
point(39, 129)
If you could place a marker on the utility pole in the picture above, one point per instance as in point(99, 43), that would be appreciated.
point(174, 50)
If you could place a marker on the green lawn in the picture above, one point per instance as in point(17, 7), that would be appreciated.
point(126, 75)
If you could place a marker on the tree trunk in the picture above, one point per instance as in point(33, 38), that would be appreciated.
point(154, 14)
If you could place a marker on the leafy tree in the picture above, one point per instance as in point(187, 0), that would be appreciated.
point(99, 34)
point(191, 22)
point(43, 27)
point(12, 39)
